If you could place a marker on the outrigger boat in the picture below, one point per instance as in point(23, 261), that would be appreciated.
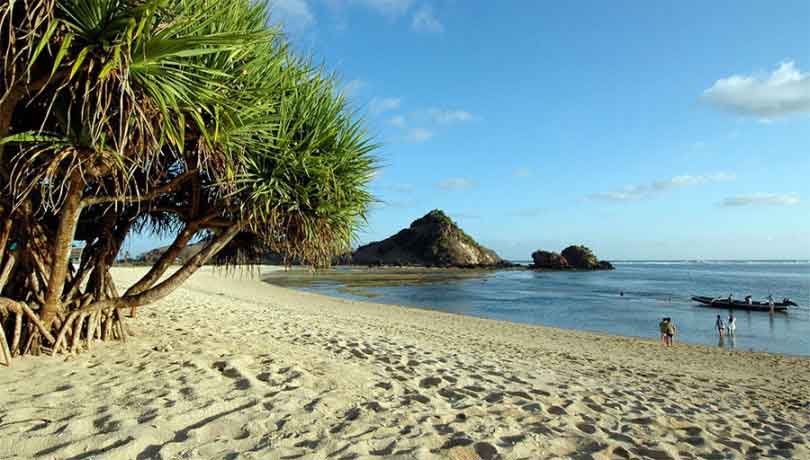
point(743, 305)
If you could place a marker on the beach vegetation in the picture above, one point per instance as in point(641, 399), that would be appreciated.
point(190, 118)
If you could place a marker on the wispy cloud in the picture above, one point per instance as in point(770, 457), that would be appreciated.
point(638, 192)
point(419, 135)
point(419, 125)
point(352, 87)
point(381, 105)
point(786, 90)
point(764, 199)
point(398, 204)
point(398, 121)
point(456, 183)
point(687, 180)
point(446, 117)
point(464, 215)
point(392, 8)
point(522, 172)
point(425, 21)
point(294, 15)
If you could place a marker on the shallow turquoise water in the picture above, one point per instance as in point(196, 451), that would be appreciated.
point(590, 300)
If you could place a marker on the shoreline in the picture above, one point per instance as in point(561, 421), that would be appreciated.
point(233, 367)
point(509, 323)
point(354, 282)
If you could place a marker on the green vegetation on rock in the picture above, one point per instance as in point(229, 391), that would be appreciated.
point(432, 240)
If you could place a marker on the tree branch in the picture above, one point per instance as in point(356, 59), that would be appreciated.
point(189, 268)
point(171, 186)
point(165, 259)
point(171, 283)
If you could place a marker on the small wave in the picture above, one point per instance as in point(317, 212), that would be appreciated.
point(712, 262)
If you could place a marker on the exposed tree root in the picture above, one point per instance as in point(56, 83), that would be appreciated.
point(77, 331)
point(5, 349)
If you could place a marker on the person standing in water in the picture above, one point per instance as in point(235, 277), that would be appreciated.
point(667, 328)
point(670, 333)
point(770, 304)
point(721, 328)
point(732, 325)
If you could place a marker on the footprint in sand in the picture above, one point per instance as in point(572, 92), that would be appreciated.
point(511, 441)
point(586, 428)
point(241, 383)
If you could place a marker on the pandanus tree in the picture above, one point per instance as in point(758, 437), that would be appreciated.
point(183, 116)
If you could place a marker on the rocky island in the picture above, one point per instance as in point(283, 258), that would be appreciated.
point(574, 257)
point(433, 240)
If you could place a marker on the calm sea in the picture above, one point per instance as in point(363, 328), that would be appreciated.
point(590, 301)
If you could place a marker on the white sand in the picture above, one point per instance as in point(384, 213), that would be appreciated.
point(234, 368)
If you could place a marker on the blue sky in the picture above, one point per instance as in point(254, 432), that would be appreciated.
point(646, 130)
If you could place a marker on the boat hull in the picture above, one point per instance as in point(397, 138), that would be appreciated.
point(739, 305)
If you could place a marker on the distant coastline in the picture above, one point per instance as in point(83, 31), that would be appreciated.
point(690, 261)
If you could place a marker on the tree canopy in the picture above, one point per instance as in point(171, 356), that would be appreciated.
point(183, 117)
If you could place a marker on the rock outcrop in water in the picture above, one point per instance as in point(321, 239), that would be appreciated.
point(580, 257)
point(575, 257)
point(550, 260)
point(433, 240)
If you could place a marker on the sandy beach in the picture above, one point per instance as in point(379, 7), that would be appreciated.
point(230, 367)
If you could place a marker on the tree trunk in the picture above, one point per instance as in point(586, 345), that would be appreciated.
point(69, 217)
point(4, 234)
point(7, 108)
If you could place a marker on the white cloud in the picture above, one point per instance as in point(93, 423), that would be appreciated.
point(522, 172)
point(425, 21)
point(419, 135)
point(387, 7)
point(398, 121)
point(450, 116)
point(293, 15)
point(381, 105)
point(687, 180)
point(430, 118)
point(771, 199)
point(456, 183)
point(631, 193)
point(400, 204)
point(785, 91)
point(638, 192)
point(352, 87)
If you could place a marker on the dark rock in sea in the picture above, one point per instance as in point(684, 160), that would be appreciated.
point(580, 257)
point(575, 257)
point(433, 240)
point(551, 260)
point(605, 265)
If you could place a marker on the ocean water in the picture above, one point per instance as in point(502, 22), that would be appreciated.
point(590, 301)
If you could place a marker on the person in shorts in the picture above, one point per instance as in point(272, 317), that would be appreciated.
point(720, 326)
point(670, 332)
